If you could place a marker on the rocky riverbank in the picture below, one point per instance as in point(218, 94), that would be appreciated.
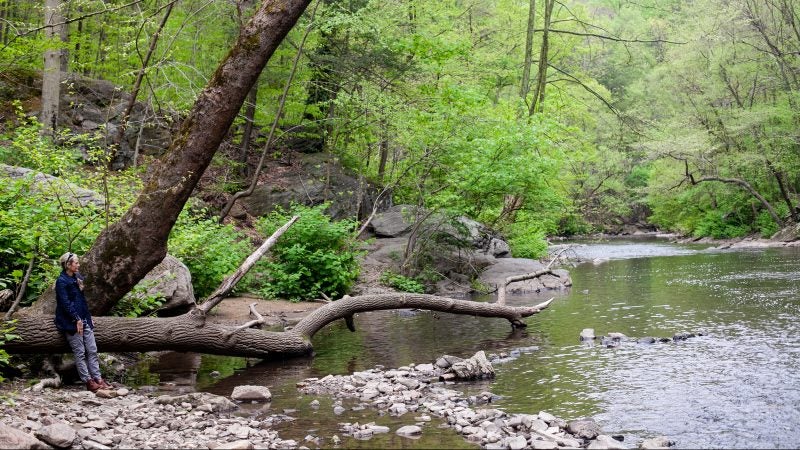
point(75, 418)
point(425, 393)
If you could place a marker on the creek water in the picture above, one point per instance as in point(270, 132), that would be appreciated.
point(737, 386)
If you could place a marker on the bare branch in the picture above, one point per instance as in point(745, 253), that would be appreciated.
point(613, 38)
point(259, 319)
point(225, 288)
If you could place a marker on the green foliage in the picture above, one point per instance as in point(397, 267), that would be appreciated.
point(719, 226)
point(402, 283)
point(315, 256)
point(765, 225)
point(140, 301)
point(26, 147)
point(529, 246)
point(44, 217)
point(211, 251)
point(6, 335)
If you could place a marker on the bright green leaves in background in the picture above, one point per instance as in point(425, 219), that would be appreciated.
point(315, 257)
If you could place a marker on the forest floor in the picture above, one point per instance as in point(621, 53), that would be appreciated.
point(236, 310)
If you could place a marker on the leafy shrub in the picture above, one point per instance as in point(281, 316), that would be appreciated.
point(720, 226)
point(527, 238)
point(39, 224)
point(402, 283)
point(41, 220)
point(211, 251)
point(315, 256)
point(6, 329)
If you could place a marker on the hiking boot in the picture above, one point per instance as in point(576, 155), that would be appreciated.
point(92, 385)
point(103, 384)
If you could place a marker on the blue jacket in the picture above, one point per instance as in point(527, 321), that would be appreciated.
point(71, 304)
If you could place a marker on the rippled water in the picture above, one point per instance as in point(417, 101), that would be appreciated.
point(736, 387)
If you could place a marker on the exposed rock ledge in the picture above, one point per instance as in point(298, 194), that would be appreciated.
point(484, 255)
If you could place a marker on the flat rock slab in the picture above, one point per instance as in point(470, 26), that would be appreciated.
point(503, 268)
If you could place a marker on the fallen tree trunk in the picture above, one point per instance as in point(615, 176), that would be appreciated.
point(191, 332)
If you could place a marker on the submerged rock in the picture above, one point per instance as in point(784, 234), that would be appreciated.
point(656, 442)
point(587, 334)
point(409, 430)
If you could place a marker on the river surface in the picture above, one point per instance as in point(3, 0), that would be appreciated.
point(738, 386)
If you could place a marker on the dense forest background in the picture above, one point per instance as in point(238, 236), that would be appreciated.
point(538, 118)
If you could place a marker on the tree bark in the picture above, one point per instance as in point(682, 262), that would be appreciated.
point(191, 332)
point(784, 192)
point(124, 252)
point(525, 86)
point(537, 102)
point(249, 119)
point(383, 146)
point(51, 76)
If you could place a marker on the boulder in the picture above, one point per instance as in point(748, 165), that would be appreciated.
point(447, 361)
point(50, 185)
point(394, 222)
point(787, 234)
point(249, 393)
point(314, 179)
point(516, 442)
point(409, 430)
point(587, 334)
point(584, 428)
point(503, 268)
point(475, 368)
point(172, 281)
point(14, 438)
point(605, 442)
point(656, 442)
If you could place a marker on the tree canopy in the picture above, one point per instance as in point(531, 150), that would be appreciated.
point(539, 118)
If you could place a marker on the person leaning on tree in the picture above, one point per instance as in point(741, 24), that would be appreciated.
point(74, 320)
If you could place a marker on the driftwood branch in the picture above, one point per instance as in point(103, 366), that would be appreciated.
point(259, 319)
point(501, 290)
point(225, 288)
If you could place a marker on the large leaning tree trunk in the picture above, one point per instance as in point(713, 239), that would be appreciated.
point(191, 332)
point(124, 252)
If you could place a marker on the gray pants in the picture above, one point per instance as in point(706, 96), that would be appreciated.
point(85, 350)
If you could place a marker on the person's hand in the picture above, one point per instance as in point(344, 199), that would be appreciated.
point(80, 327)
